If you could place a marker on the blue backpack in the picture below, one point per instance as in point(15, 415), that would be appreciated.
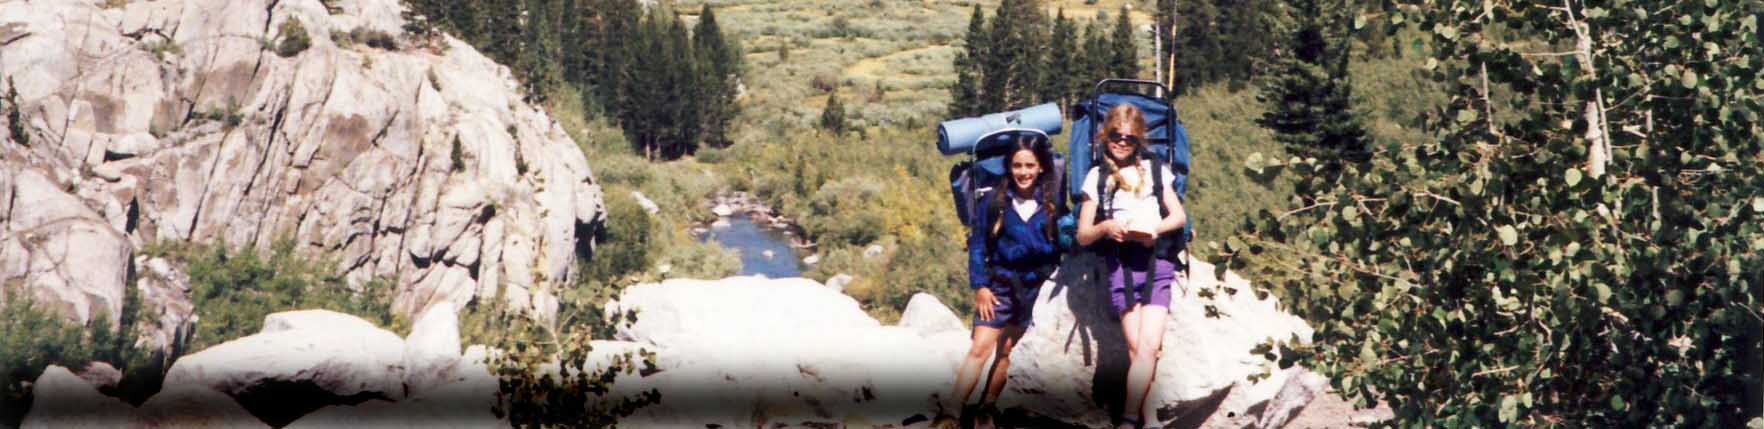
point(1167, 144)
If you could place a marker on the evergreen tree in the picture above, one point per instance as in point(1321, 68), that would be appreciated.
point(1308, 96)
point(833, 116)
point(1010, 73)
point(720, 60)
point(1123, 54)
point(1063, 67)
point(683, 121)
point(613, 51)
point(1199, 54)
point(1096, 54)
point(1245, 36)
point(537, 59)
point(965, 94)
point(501, 30)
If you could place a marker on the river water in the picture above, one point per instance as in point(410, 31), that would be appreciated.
point(753, 241)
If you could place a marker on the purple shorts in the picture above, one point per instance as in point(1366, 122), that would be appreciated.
point(1016, 305)
point(1128, 268)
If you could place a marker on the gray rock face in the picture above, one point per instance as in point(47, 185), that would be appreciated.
point(172, 121)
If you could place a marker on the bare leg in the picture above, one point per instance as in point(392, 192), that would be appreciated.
point(968, 374)
point(1145, 357)
point(1001, 364)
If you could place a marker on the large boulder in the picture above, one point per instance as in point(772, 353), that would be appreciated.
point(61, 399)
point(175, 121)
point(431, 351)
point(195, 407)
point(749, 351)
point(301, 361)
point(927, 316)
point(1072, 365)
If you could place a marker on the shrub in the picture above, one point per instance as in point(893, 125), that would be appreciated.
point(294, 38)
point(32, 337)
point(233, 291)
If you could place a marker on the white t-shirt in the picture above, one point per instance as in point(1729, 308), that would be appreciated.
point(1025, 207)
point(1131, 205)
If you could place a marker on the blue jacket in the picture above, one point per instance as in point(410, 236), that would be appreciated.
point(1022, 250)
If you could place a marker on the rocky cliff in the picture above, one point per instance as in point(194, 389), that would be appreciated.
point(177, 120)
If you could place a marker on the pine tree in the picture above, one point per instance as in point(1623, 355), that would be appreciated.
point(1309, 99)
point(1123, 55)
point(502, 30)
point(1010, 71)
point(1199, 53)
point(1096, 53)
point(833, 116)
point(965, 94)
point(721, 63)
point(683, 117)
point(537, 62)
point(611, 52)
point(1062, 52)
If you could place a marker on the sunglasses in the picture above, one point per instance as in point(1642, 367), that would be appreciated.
point(1123, 138)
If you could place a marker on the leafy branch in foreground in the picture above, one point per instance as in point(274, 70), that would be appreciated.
point(1579, 244)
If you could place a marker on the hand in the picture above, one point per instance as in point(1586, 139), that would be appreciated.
point(984, 300)
point(1114, 229)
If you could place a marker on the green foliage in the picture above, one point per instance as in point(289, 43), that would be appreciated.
point(1222, 41)
point(233, 291)
point(720, 63)
point(1123, 56)
point(162, 47)
point(14, 123)
point(1513, 270)
point(32, 337)
point(364, 35)
point(228, 115)
point(965, 94)
point(669, 91)
point(294, 38)
point(1012, 67)
point(1309, 97)
point(456, 156)
point(833, 116)
point(1063, 84)
point(623, 247)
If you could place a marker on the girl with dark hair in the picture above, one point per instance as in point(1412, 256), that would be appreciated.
point(1133, 224)
point(1012, 249)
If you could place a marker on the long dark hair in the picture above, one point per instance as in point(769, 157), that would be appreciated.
point(1045, 183)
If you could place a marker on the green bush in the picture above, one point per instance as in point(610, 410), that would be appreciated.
point(233, 291)
point(623, 247)
point(294, 38)
point(32, 337)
